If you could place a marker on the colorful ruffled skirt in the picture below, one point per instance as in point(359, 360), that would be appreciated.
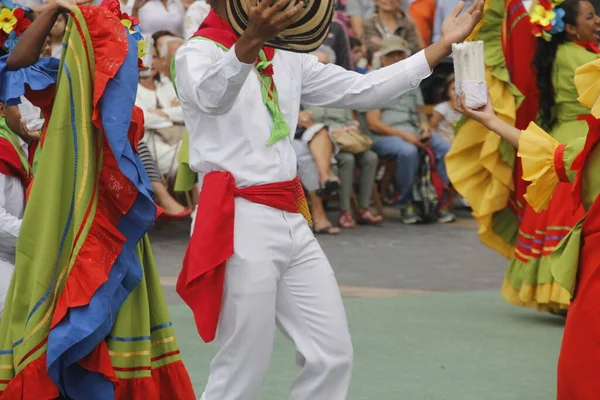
point(528, 280)
point(86, 317)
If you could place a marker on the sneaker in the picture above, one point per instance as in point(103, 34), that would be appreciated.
point(409, 215)
point(445, 216)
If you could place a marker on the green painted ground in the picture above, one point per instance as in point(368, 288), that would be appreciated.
point(447, 346)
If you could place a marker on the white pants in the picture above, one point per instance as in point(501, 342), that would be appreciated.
point(279, 276)
point(6, 271)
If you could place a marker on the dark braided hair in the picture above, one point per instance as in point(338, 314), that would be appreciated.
point(543, 62)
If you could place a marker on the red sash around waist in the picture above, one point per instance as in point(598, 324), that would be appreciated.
point(200, 283)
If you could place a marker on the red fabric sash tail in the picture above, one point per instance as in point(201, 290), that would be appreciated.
point(200, 283)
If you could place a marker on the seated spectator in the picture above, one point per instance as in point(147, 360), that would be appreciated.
point(153, 92)
point(341, 15)
point(56, 35)
point(399, 129)
point(195, 14)
point(314, 148)
point(166, 45)
point(337, 121)
point(446, 114)
point(157, 15)
point(358, 56)
point(338, 40)
point(390, 20)
point(422, 13)
point(163, 117)
point(358, 11)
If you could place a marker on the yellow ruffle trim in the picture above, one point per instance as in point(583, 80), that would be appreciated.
point(544, 297)
point(536, 149)
point(587, 82)
point(477, 171)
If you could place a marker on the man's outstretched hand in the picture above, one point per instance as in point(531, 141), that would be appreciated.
point(457, 28)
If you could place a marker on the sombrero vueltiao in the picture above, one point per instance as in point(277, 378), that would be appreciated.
point(303, 36)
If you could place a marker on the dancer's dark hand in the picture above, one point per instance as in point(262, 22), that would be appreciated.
point(266, 20)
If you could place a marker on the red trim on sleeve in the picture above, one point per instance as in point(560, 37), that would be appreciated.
point(559, 164)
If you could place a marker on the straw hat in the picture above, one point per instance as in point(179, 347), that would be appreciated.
point(304, 36)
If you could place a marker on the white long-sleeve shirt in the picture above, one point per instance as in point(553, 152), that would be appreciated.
point(12, 206)
point(229, 125)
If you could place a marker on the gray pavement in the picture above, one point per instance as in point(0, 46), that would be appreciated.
point(391, 256)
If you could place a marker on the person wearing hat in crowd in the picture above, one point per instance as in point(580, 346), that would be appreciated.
point(399, 129)
point(241, 81)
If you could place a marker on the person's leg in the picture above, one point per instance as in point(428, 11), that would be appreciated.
point(311, 313)
point(367, 162)
point(172, 208)
point(346, 167)
point(307, 171)
point(440, 148)
point(321, 222)
point(321, 149)
point(407, 162)
point(247, 321)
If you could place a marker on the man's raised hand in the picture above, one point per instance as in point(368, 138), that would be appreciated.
point(267, 18)
point(457, 28)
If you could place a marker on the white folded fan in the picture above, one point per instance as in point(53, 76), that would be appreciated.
point(469, 73)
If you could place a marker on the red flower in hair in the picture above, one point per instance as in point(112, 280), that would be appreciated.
point(134, 20)
point(22, 25)
point(19, 13)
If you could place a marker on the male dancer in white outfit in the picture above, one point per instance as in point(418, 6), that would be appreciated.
point(278, 274)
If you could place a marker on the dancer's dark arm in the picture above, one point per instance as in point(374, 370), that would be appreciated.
point(29, 47)
point(488, 118)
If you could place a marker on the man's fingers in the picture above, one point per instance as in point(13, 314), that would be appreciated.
point(277, 7)
point(457, 9)
point(474, 6)
point(290, 16)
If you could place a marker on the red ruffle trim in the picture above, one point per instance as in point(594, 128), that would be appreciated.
point(32, 383)
point(169, 382)
point(559, 163)
point(116, 194)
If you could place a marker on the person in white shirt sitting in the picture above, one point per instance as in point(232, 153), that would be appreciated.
point(15, 173)
point(194, 16)
point(158, 15)
point(163, 120)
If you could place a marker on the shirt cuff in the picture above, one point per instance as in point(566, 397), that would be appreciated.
point(420, 69)
point(235, 70)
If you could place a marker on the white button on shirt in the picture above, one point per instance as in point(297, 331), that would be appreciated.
point(154, 16)
point(229, 125)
